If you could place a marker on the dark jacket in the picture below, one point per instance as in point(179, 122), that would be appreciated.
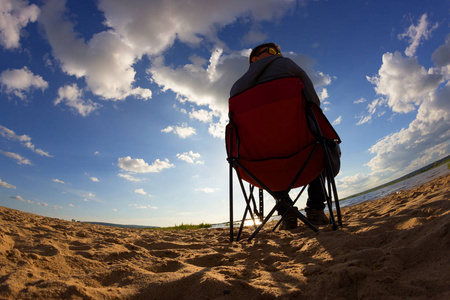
point(270, 68)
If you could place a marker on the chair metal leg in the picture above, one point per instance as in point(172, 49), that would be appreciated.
point(331, 187)
point(248, 208)
point(231, 203)
point(261, 205)
point(336, 202)
point(293, 203)
point(327, 193)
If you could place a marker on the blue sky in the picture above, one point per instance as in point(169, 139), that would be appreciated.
point(114, 111)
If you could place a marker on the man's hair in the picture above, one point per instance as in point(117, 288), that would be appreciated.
point(257, 49)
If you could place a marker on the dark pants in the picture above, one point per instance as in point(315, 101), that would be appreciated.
point(316, 197)
point(316, 194)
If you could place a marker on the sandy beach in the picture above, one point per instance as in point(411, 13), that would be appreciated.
point(397, 247)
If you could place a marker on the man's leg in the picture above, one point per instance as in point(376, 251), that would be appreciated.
point(316, 195)
point(316, 203)
point(290, 221)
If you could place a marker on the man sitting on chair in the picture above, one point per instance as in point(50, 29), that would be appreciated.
point(266, 64)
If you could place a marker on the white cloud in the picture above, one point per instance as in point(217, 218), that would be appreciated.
point(217, 129)
point(24, 139)
point(41, 152)
point(140, 206)
point(364, 119)
point(429, 155)
point(198, 83)
point(201, 115)
point(427, 137)
point(20, 160)
point(208, 83)
point(20, 82)
point(351, 185)
point(105, 61)
point(129, 177)
point(207, 190)
point(337, 121)
point(58, 181)
point(89, 196)
point(138, 165)
point(405, 83)
point(94, 179)
point(431, 128)
point(195, 83)
point(182, 131)
point(142, 192)
point(160, 22)
point(372, 108)
point(7, 185)
point(323, 94)
point(254, 36)
point(441, 58)
point(360, 100)
point(11, 135)
point(415, 34)
point(72, 96)
point(14, 16)
point(190, 157)
point(18, 198)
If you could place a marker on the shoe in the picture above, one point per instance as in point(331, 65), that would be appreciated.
point(316, 217)
point(289, 223)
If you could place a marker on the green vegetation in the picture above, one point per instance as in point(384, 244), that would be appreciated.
point(447, 161)
point(185, 227)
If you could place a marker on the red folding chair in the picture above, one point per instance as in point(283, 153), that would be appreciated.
point(277, 140)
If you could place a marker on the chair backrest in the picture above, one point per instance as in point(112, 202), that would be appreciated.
point(270, 133)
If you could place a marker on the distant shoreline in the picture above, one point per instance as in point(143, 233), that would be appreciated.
point(407, 176)
point(221, 224)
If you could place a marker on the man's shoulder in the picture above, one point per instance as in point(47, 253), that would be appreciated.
point(286, 61)
point(266, 69)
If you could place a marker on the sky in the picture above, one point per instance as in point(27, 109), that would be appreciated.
point(114, 111)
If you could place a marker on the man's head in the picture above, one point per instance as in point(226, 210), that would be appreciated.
point(264, 50)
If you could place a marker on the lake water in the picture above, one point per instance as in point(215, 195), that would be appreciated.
point(406, 184)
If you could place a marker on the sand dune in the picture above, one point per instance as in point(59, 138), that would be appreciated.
point(393, 248)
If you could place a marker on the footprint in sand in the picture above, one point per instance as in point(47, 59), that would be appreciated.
point(168, 246)
point(165, 266)
point(208, 261)
point(42, 249)
point(78, 246)
point(164, 253)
